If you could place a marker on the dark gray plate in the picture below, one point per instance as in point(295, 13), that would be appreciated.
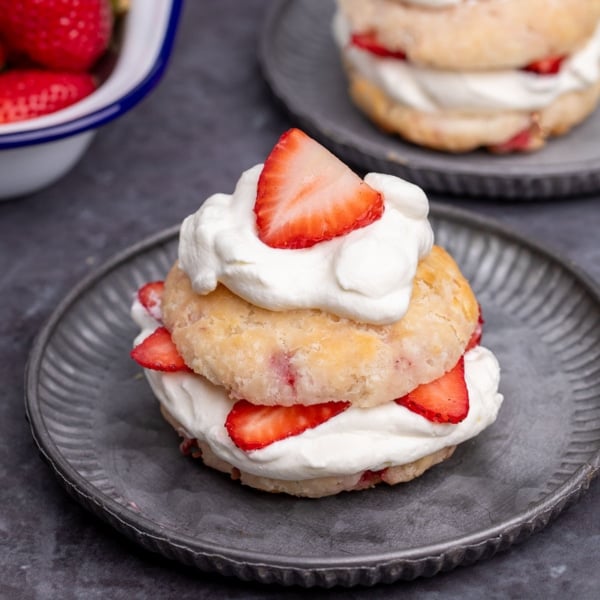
point(301, 64)
point(96, 423)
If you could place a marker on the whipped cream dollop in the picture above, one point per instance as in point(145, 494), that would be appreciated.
point(366, 275)
point(353, 441)
point(432, 90)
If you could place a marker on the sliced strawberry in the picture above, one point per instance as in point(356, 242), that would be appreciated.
point(306, 195)
point(476, 336)
point(370, 478)
point(444, 400)
point(252, 426)
point(159, 353)
point(546, 66)
point(368, 41)
point(518, 143)
point(150, 297)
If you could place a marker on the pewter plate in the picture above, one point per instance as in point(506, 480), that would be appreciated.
point(301, 64)
point(99, 428)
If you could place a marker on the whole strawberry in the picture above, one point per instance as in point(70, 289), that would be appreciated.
point(29, 93)
point(3, 54)
point(67, 35)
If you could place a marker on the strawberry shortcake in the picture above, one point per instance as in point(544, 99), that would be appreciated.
point(455, 75)
point(311, 338)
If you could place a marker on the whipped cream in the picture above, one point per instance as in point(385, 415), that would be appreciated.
point(432, 90)
point(351, 442)
point(366, 275)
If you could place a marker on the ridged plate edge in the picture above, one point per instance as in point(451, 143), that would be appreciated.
point(152, 537)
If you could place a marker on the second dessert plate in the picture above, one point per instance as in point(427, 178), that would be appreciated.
point(302, 66)
point(98, 425)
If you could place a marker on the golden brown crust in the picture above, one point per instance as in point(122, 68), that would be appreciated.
point(321, 486)
point(308, 356)
point(485, 34)
point(453, 131)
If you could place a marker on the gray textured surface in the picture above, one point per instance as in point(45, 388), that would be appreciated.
point(211, 117)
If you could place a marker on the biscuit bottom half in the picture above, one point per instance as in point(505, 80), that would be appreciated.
point(310, 488)
point(455, 131)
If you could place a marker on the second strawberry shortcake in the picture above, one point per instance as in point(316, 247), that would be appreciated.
point(455, 75)
point(310, 338)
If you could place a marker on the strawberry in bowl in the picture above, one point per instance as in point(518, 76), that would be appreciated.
point(62, 76)
point(61, 35)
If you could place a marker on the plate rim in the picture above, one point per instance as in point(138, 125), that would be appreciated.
point(423, 166)
point(224, 559)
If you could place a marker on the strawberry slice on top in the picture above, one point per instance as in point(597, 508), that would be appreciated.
point(444, 400)
point(306, 195)
point(252, 426)
point(159, 353)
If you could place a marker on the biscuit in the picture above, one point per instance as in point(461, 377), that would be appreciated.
point(477, 35)
point(455, 131)
point(320, 486)
point(309, 356)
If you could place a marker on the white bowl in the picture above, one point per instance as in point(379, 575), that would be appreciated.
point(36, 152)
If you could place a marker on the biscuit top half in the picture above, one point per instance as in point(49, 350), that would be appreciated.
point(309, 284)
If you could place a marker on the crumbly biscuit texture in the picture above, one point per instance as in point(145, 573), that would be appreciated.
point(308, 356)
point(479, 35)
point(320, 486)
point(455, 131)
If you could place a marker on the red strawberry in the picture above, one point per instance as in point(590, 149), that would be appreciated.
point(444, 400)
point(159, 353)
point(518, 143)
point(252, 426)
point(368, 41)
point(370, 478)
point(282, 365)
point(25, 94)
point(66, 35)
point(306, 195)
point(150, 296)
point(189, 447)
point(476, 336)
point(546, 66)
point(3, 54)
